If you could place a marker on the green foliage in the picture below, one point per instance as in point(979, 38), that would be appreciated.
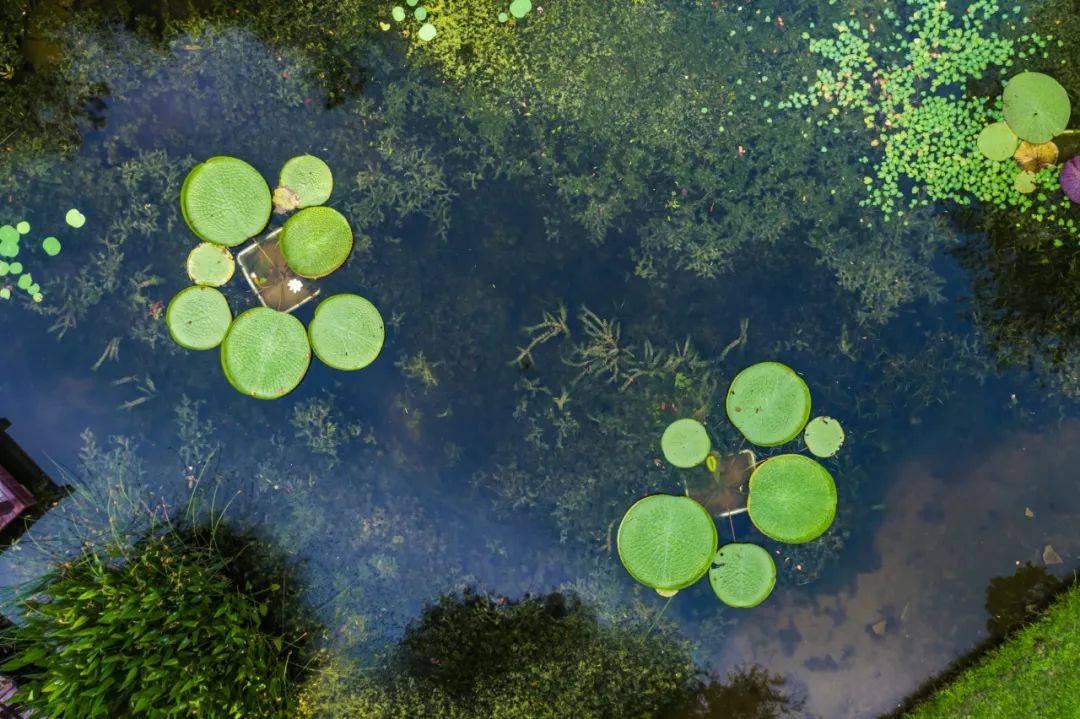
point(160, 629)
point(908, 78)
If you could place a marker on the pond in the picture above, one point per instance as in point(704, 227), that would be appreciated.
point(578, 226)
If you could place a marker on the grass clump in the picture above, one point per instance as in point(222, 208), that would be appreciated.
point(1031, 674)
point(172, 626)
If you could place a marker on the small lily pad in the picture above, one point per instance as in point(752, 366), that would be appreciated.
point(426, 32)
point(75, 218)
point(824, 436)
point(768, 403)
point(666, 542)
point(1036, 106)
point(398, 13)
point(998, 142)
point(685, 443)
point(265, 353)
point(198, 317)
point(210, 264)
point(520, 8)
point(1024, 182)
point(5, 293)
point(225, 201)
point(792, 498)
point(503, 17)
point(25, 281)
point(347, 332)
point(742, 575)
point(51, 246)
point(23, 227)
point(309, 177)
point(15, 268)
point(316, 241)
point(420, 13)
point(4, 267)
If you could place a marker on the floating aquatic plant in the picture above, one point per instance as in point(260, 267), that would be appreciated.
point(347, 332)
point(1032, 158)
point(742, 575)
point(1036, 107)
point(769, 403)
point(225, 201)
point(74, 218)
point(666, 542)
point(304, 181)
point(198, 318)
point(1070, 179)
point(997, 141)
point(685, 443)
point(316, 241)
point(792, 498)
point(265, 353)
point(520, 8)
point(823, 436)
point(210, 264)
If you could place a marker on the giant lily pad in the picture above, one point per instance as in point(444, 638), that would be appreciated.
point(266, 353)
point(824, 436)
point(1036, 106)
point(346, 332)
point(768, 403)
point(198, 318)
point(316, 241)
point(666, 542)
point(792, 498)
point(225, 201)
point(1069, 179)
point(742, 575)
point(685, 443)
point(210, 264)
point(309, 178)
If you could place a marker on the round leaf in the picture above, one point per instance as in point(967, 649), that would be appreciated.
point(309, 177)
point(1032, 157)
point(266, 353)
point(75, 218)
point(316, 241)
point(666, 542)
point(768, 403)
point(742, 575)
point(426, 32)
point(198, 318)
point(346, 332)
point(1024, 182)
point(210, 264)
point(225, 201)
point(51, 246)
point(520, 8)
point(998, 142)
point(824, 436)
point(792, 498)
point(1036, 106)
point(685, 443)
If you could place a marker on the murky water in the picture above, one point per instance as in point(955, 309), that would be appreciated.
point(444, 464)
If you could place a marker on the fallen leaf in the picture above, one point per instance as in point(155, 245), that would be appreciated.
point(1050, 556)
point(1028, 513)
point(1032, 157)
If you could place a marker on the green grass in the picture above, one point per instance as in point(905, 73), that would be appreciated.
point(1033, 674)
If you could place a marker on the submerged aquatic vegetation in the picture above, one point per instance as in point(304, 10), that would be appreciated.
point(908, 74)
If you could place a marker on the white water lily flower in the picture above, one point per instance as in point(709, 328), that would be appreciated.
point(295, 285)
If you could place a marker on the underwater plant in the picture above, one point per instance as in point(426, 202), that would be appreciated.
point(265, 353)
point(931, 140)
point(791, 498)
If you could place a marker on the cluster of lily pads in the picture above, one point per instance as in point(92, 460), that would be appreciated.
point(669, 542)
point(10, 247)
point(427, 30)
point(909, 78)
point(266, 353)
point(1036, 110)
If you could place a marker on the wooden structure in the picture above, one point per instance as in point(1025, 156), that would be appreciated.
point(26, 491)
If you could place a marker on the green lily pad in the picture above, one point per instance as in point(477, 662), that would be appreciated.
point(225, 201)
point(520, 8)
point(768, 403)
point(742, 575)
point(316, 241)
point(503, 17)
point(1024, 182)
point(792, 498)
point(1036, 106)
point(998, 142)
point(75, 218)
point(198, 318)
point(666, 542)
point(51, 246)
point(23, 227)
point(420, 13)
point(347, 332)
point(309, 177)
point(823, 436)
point(5, 293)
point(25, 281)
point(685, 443)
point(398, 13)
point(210, 264)
point(4, 267)
point(265, 353)
point(15, 268)
point(426, 32)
